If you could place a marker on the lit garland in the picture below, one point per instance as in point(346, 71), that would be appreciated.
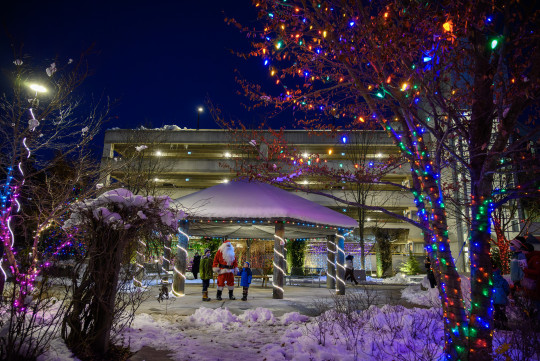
point(340, 254)
point(328, 260)
point(255, 221)
point(12, 192)
point(281, 260)
point(166, 259)
point(176, 270)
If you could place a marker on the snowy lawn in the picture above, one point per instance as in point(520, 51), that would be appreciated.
point(258, 335)
point(376, 333)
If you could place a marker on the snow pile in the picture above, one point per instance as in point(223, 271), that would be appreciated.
point(165, 127)
point(259, 314)
point(400, 279)
point(218, 318)
point(374, 334)
point(147, 331)
point(293, 317)
point(171, 127)
point(430, 297)
point(57, 351)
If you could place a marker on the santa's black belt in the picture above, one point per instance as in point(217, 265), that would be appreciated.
point(225, 266)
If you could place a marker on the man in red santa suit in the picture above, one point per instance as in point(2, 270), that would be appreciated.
point(226, 267)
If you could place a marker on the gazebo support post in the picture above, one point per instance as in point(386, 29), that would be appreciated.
point(180, 263)
point(330, 262)
point(166, 265)
point(279, 261)
point(340, 263)
point(248, 250)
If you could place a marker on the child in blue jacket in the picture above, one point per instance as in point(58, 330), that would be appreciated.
point(500, 299)
point(245, 281)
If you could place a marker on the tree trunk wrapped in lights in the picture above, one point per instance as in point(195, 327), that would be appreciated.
point(279, 261)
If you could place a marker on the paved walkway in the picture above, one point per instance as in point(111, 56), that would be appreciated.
point(296, 299)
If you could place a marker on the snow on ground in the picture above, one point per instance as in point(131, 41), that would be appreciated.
point(399, 278)
point(378, 333)
point(423, 294)
point(217, 334)
point(390, 332)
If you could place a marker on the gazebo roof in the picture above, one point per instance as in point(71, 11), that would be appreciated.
point(243, 209)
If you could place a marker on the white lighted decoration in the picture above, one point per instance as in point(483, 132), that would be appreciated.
point(339, 251)
point(28, 149)
point(2, 269)
point(176, 270)
point(166, 259)
point(140, 267)
point(282, 258)
point(11, 231)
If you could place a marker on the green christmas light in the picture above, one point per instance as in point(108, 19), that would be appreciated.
point(494, 43)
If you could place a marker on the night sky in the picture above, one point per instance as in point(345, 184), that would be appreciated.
point(159, 59)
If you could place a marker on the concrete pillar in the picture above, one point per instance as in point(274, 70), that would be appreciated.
point(139, 262)
point(180, 263)
point(106, 163)
point(248, 250)
point(340, 263)
point(279, 261)
point(330, 262)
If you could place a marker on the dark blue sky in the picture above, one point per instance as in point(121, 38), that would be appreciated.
point(160, 59)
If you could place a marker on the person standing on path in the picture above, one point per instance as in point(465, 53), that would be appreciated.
point(531, 280)
point(500, 299)
point(245, 281)
point(206, 273)
point(195, 265)
point(349, 269)
point(517, 263)
point(430, 274)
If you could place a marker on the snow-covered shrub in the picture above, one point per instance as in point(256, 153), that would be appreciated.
point(112, 226)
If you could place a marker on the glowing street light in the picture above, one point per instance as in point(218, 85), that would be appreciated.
point(37, 88)
point(199, 111)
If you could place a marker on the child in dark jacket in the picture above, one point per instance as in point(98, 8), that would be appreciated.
point(245, 281)
point(206, 273)
point(501, 289)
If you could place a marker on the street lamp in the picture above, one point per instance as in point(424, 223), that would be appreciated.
point(37, 88)
point(33, 123)
point(199, 111)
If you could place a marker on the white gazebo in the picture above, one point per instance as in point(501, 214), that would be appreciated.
point(242, 209)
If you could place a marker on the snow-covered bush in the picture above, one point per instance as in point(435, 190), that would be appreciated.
point(112, 226)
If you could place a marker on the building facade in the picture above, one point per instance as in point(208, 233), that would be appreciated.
point(177, 162)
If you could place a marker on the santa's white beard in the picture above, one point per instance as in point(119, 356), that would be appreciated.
point(228, 253)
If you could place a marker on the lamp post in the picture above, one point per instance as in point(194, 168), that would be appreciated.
point(199, 111)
